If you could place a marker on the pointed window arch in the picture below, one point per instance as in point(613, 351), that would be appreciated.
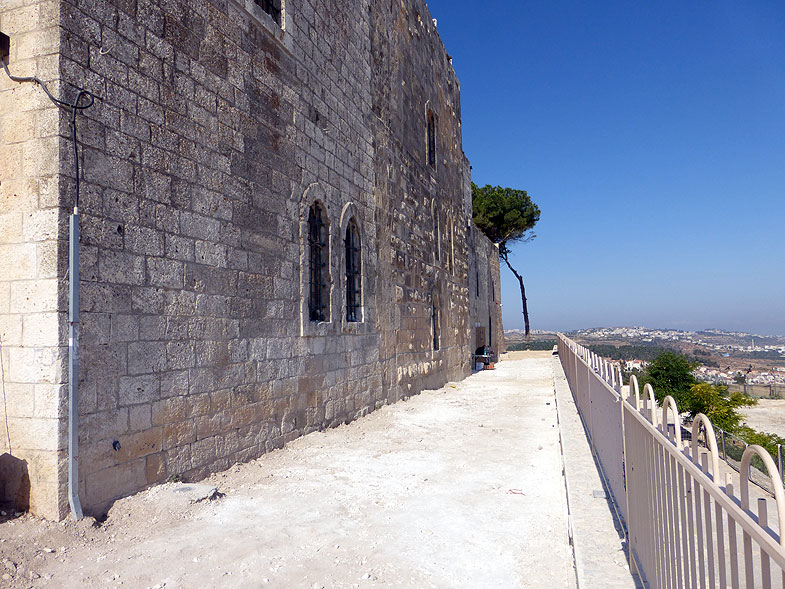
point(353, 255)
point(437, 246)
point(431, 146)
point(271, 7)
point(319, 291)
point(435, 321)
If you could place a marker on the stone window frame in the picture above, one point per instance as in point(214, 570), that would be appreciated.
point(431, 136)
point(353, 259)
point(490, 329)
point(451, 255)
point(315, 193)
point(318, 263)
point(349, 222)
point(364, 325)
point(437, 246)
point(280, 32)
point(435, 322)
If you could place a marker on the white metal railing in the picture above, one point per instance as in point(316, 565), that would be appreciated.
point(684, 528)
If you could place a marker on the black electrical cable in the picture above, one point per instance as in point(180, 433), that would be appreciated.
point(75, 107)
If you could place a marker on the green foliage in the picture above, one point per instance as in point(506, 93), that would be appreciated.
point(740, 378)
point(503, 214)
point(506, 215)
point(715, 403)
point(633, 352)
point(768, 441)
point(670, 374)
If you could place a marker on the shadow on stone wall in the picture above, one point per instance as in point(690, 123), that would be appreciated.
point(14, 483)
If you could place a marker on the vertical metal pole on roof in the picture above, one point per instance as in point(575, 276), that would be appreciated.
point(73, 366)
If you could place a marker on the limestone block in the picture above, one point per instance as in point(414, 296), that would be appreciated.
point(203, 451)
point(134, 390)
point(34, 365)
point(38, 42)
point(20, 399)
point(51, 401)
point(43, 329)
point(139, 444)
point(120, 267)
point(41, 225)
point(165, 273)
point(174, 383)
point(179, 433)
point(114, 481)
point(21, 19)
point(36, 433)
point(11, 329)
point(34, 296)
point(140, 417)
point(124, 328)
point(40, 157)
point(47, 500)
point(105, 425)
point(146, 357)
point(49, 264)
point(155, 468)
point(19, 262)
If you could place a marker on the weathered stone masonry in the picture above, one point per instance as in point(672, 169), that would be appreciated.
point(214, 132)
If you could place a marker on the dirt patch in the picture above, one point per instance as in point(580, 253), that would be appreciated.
point(767, 416)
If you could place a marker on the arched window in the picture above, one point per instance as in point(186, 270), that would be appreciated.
point(319, 292)
point(271, 7)
point(353, 272)
point(435, 321)
point(437, 249)
point(452, 247)
point(431, 147)
point(490, 330)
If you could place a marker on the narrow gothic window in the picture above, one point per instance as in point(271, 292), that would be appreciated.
point(436, 233)
point(493, 291)
point(319, 295)
point(271, 7)
point(435, 322)
point(477, 282)
point(353, 272)
point(490, 330)
point(431, 139)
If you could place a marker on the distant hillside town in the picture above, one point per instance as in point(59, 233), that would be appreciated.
point(731, 358)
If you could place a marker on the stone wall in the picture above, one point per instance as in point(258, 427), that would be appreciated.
point(420, 207)
point(214, 131)
point(32, 324)
point(485, 294)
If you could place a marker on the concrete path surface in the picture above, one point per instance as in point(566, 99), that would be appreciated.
point(459, 487)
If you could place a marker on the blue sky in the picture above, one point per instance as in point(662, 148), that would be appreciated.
point(652, 136)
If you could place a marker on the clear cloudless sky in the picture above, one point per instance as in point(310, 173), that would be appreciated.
point(652, 136)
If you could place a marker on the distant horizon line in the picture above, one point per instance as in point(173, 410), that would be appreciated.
point(707, 329)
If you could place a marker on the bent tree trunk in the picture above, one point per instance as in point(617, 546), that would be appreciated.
point(523, 296)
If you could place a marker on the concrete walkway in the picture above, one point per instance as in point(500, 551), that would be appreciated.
point(459, 487)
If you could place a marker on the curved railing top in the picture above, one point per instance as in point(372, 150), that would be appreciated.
point(670, 403)
point(744, 479)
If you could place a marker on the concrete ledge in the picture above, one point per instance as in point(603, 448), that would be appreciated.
point(598, 540)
